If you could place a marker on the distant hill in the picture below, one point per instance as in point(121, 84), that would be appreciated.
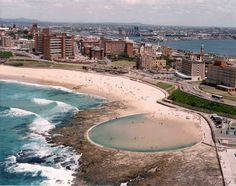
point(18, 20)
point(27, 21)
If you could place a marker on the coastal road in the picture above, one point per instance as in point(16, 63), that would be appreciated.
point(194, 89)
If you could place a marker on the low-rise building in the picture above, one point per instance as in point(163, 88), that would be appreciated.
point(96, 53)
point(222, 75)
point(3, 31)
point(117, 47)
point(152, 61)
point(24, 44)
point(151, 58)
point(231, 130)
point(109, 46)
point(86, 45)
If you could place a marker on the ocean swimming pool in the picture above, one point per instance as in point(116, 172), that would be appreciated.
point(140, 133)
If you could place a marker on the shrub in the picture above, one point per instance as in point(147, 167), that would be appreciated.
point(5, 54)
point(17, 64)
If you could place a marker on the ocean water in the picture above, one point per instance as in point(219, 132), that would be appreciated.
point(219, 47)
point(27, 113)
point(222, 47)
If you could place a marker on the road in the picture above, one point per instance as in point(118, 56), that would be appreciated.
point(186, 86)
point(194, 89)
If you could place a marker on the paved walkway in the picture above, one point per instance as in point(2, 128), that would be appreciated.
point(206, 131)
point(228, 165)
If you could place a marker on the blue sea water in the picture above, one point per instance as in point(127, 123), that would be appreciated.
point(27, 113)
point(219, 47)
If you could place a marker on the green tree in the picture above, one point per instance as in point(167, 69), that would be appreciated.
point(5, 54)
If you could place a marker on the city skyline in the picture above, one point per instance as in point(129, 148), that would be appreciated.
point(179, 12)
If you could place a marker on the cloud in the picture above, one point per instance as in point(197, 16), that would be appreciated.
point(167, 12)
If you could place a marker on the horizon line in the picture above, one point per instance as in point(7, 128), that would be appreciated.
point(32, 20)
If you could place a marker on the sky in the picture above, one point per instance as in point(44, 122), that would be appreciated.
point(158, 12)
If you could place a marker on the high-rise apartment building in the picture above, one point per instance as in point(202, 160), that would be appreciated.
point(39, 38)
point(193, 66)
point(193, 69)
point(58, 46)
point(6, 41)
point(54, 46)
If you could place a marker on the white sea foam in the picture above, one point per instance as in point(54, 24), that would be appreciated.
point(40, 101)
point(62, 158)
point(59, 174)
point(19, 112)
point(40, 85)
point(52, 87)
point(41, 126)
point(41, 149)
point(55, 176)
point(11, 160)
point(62, 107)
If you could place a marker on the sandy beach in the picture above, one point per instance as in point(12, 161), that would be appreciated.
point(196, 165)
point(136, 96)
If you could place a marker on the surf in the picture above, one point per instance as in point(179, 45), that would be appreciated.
point(28, 112)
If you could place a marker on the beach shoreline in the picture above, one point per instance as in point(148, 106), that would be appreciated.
point(126, 103)
point(136, 96)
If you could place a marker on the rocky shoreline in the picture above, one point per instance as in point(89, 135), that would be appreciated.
point(196, 165)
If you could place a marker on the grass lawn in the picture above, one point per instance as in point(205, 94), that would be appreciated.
point(39, 64)
point(124, 63)
point(166, 86)
point(193, 102)
point(27, 63)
